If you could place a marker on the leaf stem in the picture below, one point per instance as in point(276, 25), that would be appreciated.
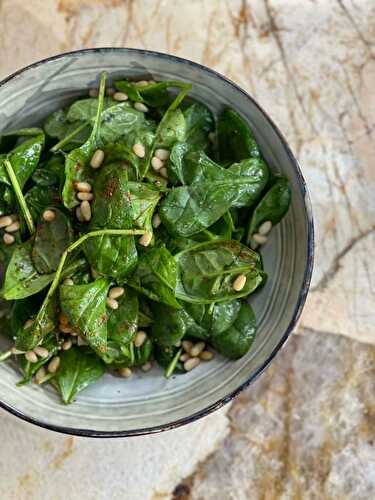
point(95, 130)
point(172, 365)
point(5, 355)
point(65, 140)
point(20, 198)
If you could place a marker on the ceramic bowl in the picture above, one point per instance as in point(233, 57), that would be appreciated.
point(148, 402)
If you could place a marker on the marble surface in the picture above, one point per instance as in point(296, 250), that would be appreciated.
point(306, 429)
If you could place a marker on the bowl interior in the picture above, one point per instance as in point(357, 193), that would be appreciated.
point(149, 401)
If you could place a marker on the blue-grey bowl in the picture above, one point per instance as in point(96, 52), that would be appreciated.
point(149, 403)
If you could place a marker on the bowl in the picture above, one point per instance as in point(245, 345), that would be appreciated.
point(148, 402)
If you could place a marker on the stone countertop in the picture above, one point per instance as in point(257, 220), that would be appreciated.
point(306, 428)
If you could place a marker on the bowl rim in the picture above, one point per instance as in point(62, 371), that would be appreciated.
point(301, 296)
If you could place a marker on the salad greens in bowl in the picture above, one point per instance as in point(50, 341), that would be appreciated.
point(145, 277)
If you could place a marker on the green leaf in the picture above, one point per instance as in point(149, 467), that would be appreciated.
point(165, 355)
point(30, 369)
point(257, 173)
point(85, 110)
point(50, 172)
point(123, 322)
point(78, 369)
point(58, 126)
point(85, 306)
point(273, 206)
point(236, 141)
point(9, 139)
point(155, 276)
point(205, 272)
point(236, 341)
point(38, 198)
point(154, 95)
point(51, 240)
point(172, 129)
point(199, 123)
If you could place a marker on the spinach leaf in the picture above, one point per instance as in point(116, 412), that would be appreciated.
point(154, 95)
point(236, 141)
point(30, 369)
point(143, 354)
point(79, 368)
point(21, 277)
point(144, 314)
point(85, 110)
point(235, 341)
point(199, 122)
point(164, 356)
point(213, 318)
point(51, 240)
point(58, 126)
point(50, 172)
point(123, 322)
point(10, 139)
point(117, 121)
point(257, 172)
point(38, 198)
point(273, 206)
point(155, 276)
point(205, 272)
point(172, 129)
point(85, 306)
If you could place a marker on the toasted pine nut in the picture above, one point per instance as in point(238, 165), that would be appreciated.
point(197, 349)
point(79, 214)
point(191, 363)
point(156, 221)
point(141, 83)
point(239, 283)
point(184, 357)
point(68, 282)
point(97, 158)
point(125, 372)
point(253, 244)
point(54, 364)
point(84, 187)
point(258, 238)
point(40, 351)
point(31, 357)
point(49, 215)
point(139, 150)
point(145, 239)
point(65, 328)
point(112, 303)
point(40, 374)
point(116, 292)
point(9, 239)
point(156, 163)
point(139, 106)
point(5, 220)
point(86, 210)
point(265, 227)
point(28, 324)
point(163, 172)
point(140, 338)
point(93, 92)
point(146, 367)
point(162, 154)
point(110, 91)
point(206, 355)
point(67, 345)
point(12, 228)
point(187, 345)
point(120, 96)
point(85, 196)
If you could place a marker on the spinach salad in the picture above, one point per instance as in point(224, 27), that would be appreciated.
point(129, 226)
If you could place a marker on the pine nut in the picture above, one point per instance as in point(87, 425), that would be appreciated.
point(265, 227)
point(81, 341)
point(191, 363)
point(178, 343)
point(146, 367)
point(197, 349)
point(120, 96)
point(156, 221)
point(163, 172)
point(156, 163)
point(12, 228)
point(68, 282)
point(162, 154)
point(259, 238)
point(145, 239)
point(140, 338)
point(253, 244)
point(5, 220)
point(65, 329)
point(97, 158)
point(49, 215)
point(9, 239)
point(112, 303)
point(63, 319)
point(67, 345)
point(40, 374)
point(110, 91)
point(139, 150)
point(184, 357)
point(187, 345)
point(93, 92)
point(141, 83)
point(206, 355)
point(125, 372)
point(116, 292)
point(84, 187)
point(239, 283)
point(74, 334)
point(29, 323)
point(79, 214)
point(31, 357)
point(85, 196)
point(40, 351)
point(16, 351)
point(86, 210)
point(54, 364)
point(139, 106)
